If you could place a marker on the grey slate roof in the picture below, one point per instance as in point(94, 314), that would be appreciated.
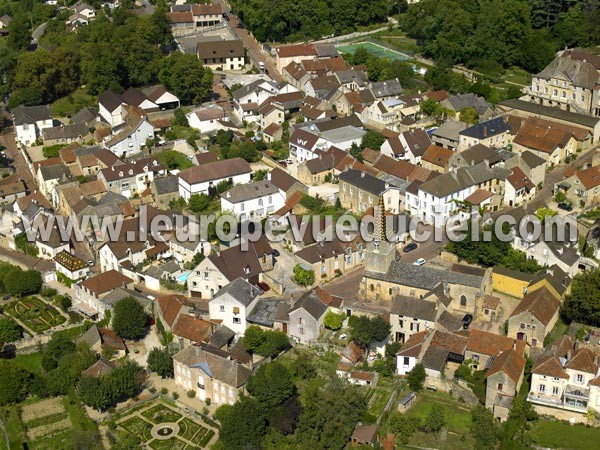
point(221, 337)
point(531, 159)
point(311, 304)
point(488, 128)
point(85, 116)
point(251, 87)
point(166, 185)
point(423, 277)
point(479, 153)
point(249, 191)
point(548, 111)
point(118, 293)
point(264, 313)
point(364, 181)
point(91, 336)
point(54, 172)
point(387, 88)
point(240, 290)
point(450, 322)
point(31, 114)
point(414, 308)
point(470, 100)
point(464, 177)
point(450, 129)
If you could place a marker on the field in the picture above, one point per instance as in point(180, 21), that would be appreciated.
point(561, 435)
point(376, 49)
point(35, 314)
point(173, 159)
point(146, 419)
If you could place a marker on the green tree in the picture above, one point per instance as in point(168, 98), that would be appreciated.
point(271, 385)
point(243, 424)
point(583, 303)
point(22, 282)
point(10, 330)
point(303, 277)
point(366, 330)
point(260, 174)
point(129, 319)
point(186, 77)
point(199, 203)
point(14, 382)
point(333, 321)
point(373, 140)
point(484, 428)
point(403, 426)
point(304, 368)
point(58, 346)
point(434, 421)
point(180, 119)
point(416, 378)
point(265, 343)
point(469, 115)
point(161, 362)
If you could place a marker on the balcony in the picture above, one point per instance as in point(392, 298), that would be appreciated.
point(577, 392)
point(570, 404)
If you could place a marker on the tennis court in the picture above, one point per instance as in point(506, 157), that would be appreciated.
point(376, 49)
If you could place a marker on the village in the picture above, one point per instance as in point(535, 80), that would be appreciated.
point(141, 340)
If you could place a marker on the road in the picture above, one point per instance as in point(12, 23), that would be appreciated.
point(254, 49)
point(12, 151)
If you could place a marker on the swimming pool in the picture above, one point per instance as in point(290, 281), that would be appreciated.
point(184, 276)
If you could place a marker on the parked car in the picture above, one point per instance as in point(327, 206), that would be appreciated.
point(565, 206)
point(264, 286)
point(410, 247)
point(276, 253)
point(283, 163)
point(467, 321)
point(419, 262)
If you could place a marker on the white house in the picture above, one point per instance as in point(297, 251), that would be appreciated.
point(29, 122)
point(85, 10)
point(247, 98)
point(202, 179)
point(71, 266)
point(253, 200)
point(233, 304)
point(209, 120)
point(110, 108)
point(129, 138)
point(131, 178)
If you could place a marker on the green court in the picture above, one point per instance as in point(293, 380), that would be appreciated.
point(376, 49)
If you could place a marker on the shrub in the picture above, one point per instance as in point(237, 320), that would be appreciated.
point(164, 391)
point(175, 395)
point(191, 393)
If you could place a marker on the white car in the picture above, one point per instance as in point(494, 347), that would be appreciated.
point(419, 262)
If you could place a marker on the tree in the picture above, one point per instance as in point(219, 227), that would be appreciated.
point(186, 77)
point(416, 378)
point(243, 424)
point(469, 115)
point(14, 382)
point(365, 330)
point(333, 321)
point(10, 330)
point(58, 346)
point(265, 343)
point(484, 428)
point(271, 385)
point(403, 426)
point(304, 367)
point(434, 421)
point(583, 303)
point(129, 319)
point(180, 119)
point(22, 282)
point(373, 140)
point(161, 362)
point(303, 277)
point(260, 174)
point(199, 203)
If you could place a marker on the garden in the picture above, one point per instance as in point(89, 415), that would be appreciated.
point(161, 427)
point(34, 314)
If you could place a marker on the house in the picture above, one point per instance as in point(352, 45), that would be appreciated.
point(177, 316)
point(330, 258)
point(11, 191)
point(129, 137)
point(85, 10)
point(443, 348)
point(104, 341)
point(484, 347)
point(503, 381)
point(383, 113)
point(209, 120)
point(386, 89)
point(303, 144)
point(553, 144)
point(5, 20)
point(492, 133)
point(436, 158)
point(284, 55)
point(511, 282)
point(70, 266)
point(253, 200)
point(188, 18)
point(562, 254)
point(135, 97)
point(272, 133)
point(232, 304)
point(247, 98)
point(50, 174)
point(218, 270)
point(409, 316)
point(90, 292)
point(414, 144)
point(30, 121)
point(518, 189)
point(65, 134)
point(221, 54)
point(306, 318)
point(359, 191)
point(164, 190)
point(447, 134)
point(364, 435)
point(412, 351)
point(161, 97)
point(203, 179)
point(570, 82)
point(582, 188)
point(295, 75)
point(477, 154)
point(287, 184)
point(101, 368)
point(51, 244)
point(211, 374)
point(353, 102)
point(457, 103)
point(131, 178)
point(534, 317)
point(533, 166)
point(110, 108)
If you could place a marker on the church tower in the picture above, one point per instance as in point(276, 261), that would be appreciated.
point(380, 252)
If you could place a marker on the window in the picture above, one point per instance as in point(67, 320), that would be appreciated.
point(222, 308)
point(579, 378)
point(206, 275)
point(463, 300)
point(237, 320)
point(500, 386)
point(522, 326)
point(534, 342)
point(406, 361)
point(236, 310)
point(301, 330)
point(542, 388)
point(554, 390)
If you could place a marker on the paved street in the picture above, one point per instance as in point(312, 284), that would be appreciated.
point(12, 151)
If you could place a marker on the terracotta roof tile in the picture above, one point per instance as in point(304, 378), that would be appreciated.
point(509, 362)
point(488, 343)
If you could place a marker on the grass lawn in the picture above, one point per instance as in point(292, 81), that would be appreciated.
point(72, 103)
point(172, 159)
point(160, 413)
point(188, 428)
point(74, 332)
point(559, 330)
point(138, 427)
point(379, 400)
point(458, 417)
point(14, 427)
point(561, 435)
point(31, 363)
point(169, 444)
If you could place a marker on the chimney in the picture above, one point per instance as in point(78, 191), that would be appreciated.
point(269, 176)
point(228, 194)
point(362, 174)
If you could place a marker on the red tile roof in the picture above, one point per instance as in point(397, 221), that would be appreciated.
point(510, 362)
point(488, 343)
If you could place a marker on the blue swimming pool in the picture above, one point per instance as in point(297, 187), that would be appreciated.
point(184, 276)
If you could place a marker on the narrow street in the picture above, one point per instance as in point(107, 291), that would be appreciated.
point(12, 151)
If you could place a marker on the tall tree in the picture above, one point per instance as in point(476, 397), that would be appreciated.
point(185, 75)
point(271, 384)
point(14, 382)
point(243, 425)
point(161, 362)
point(130, 321)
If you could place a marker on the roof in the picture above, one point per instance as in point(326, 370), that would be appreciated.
point(418, 141)
point(414, 308)
point(365, 433)
point(265, 312)
point(215, 171)
point(584, 360)
point(31, 114)
point(450, 130)
point(283, 180)
point(423, 277)
point(412, 347)
point(207, 9)
point(352, 352)
point(486, 343)
point(166, 185)
point(486, 129)
point(320, 251)
point(180, 17)
point(470, 100)
point(436, 155)
point(272, 129)
point(221, 337)
point(105, 282)
point(451, 342)
point(69, 261)
point(240, 290)
point(522, 276)
point(548, 111)
point(364, 181)
point(244, 192)
point(170, 305)
point(209, 113)
point(386, 88)
point(292, 51)
point(545, 139)
point(220, 49)
point(590, 178)
point(540, 303)
point(111, 339)
point(478, 196)
point(311, 303)
point(219, 365)
point(580, 68)
point(478, 153)
point(510, 362)
point(131, 169)
point(549, 365)
point(110, 100)
point(531, 159)
point(99, 368)
point(188, 327)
